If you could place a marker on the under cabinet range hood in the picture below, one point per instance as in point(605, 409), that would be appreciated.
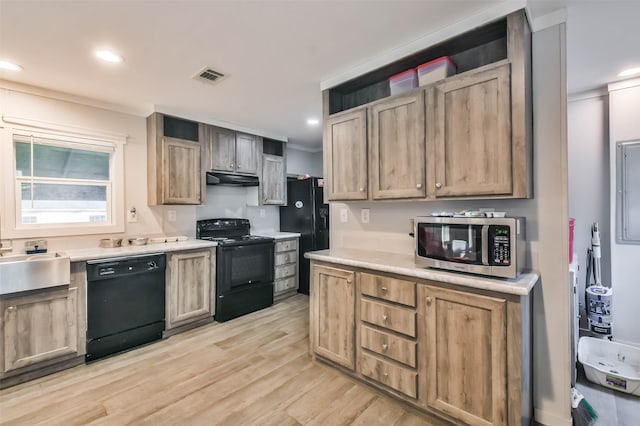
point(217, 178)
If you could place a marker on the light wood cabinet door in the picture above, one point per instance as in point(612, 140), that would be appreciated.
point(181, 177)
point(397, 162)
point(189, 287)
point(39, 327)
point(273, 183)
point(333, 315)
point(346, 144)
point(469, 126)
point(464, 337)
point(247, 153)
point(222, 149)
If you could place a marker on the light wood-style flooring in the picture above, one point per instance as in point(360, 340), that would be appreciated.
point(254, 370)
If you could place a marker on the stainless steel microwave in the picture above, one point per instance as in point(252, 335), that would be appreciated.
point(486, 246)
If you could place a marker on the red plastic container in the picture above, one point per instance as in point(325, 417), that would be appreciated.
point(572, 224)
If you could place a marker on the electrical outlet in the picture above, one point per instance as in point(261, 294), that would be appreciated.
point(132, 215)
point(263, 213)
point(171, 215)
point(364, 215)
point(344, 215)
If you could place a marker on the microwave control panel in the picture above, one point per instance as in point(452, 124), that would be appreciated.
point(500, 245)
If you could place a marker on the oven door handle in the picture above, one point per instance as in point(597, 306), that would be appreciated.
point(485, 245)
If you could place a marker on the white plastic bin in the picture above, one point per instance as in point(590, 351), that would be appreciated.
point(611, 364)
point(435, 70)
point(403, 82)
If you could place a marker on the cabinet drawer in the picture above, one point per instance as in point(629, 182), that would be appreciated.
point(283, 258)
point(285, 271)
point(286, 245)
point(399, 378)
point(394, 347)
point(393, 289)
point(283, 285)
point(394, 318)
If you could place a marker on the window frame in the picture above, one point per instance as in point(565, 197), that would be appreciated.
point(10, 214)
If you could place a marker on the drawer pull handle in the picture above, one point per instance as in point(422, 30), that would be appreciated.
point(384, 289)
point(429, 300)
point(11, 308)
point(384, 318)
point(385, 347)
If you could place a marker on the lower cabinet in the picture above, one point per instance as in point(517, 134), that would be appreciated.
point(332, 313)
point(285, 280)
point(445, 350)
point(190, 287)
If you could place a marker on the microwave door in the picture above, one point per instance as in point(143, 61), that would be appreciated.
point(485, 245)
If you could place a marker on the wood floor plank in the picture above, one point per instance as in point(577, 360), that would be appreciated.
point(253, 370)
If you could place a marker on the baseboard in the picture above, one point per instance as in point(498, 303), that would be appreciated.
point(551, 419)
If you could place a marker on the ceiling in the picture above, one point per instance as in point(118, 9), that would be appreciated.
point(274, 54)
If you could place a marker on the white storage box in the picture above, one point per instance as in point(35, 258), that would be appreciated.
point(435, 70)
point(403, 82)
point(611, 364)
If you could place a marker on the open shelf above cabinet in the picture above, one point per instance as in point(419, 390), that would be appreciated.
point(473, 49)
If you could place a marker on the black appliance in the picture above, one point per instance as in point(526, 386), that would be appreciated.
point(307, 214)
point(244, 266)
point(230, 179)
point(125, 303)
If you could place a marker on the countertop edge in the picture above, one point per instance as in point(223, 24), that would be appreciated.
point(520, 286)
point(94, 253)
point(277, 235)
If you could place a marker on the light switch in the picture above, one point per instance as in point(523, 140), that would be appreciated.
point(364, 215)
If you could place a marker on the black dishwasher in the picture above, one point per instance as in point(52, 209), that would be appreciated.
point(125, 303)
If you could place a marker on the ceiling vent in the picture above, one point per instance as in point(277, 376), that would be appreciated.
point(208, 75)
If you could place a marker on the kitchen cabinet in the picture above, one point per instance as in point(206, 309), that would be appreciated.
point(233, 152)
point(43, 331)
point(471, 389)
point(397, 163)
point(286, 267)
point(273, 182)
point(332, 315)
point(174, 165)
point(345, 156)
point(414, 337)
point(190, 288)
point(470, 134)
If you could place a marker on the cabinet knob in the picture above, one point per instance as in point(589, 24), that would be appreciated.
point(384, 318)
point(11, 308)
point(429, 300)
point(385, 347)
point(419, 186)
point(438, 185)
point(231, 164)
point(385, 375)
point(349, 281)
point(384, 289)
point(361, 189)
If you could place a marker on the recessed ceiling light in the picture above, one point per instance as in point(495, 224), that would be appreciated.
point(109, 56)
point(6, 65)
point(629, 72)
point(313, 121)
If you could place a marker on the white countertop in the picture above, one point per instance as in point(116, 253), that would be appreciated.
point(77, 255)
point(405, 265)
point(277, 235)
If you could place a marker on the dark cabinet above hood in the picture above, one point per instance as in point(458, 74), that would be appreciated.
point(218, 178)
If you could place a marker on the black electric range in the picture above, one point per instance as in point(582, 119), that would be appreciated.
point(244, 266)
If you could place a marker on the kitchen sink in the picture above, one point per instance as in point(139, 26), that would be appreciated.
point(24, 272)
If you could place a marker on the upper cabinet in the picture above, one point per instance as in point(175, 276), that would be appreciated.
point(345, 148)
point(468, 136)
point(174, 161)
point(234, 152)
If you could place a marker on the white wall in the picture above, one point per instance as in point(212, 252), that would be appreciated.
point(36, 104)
point(546, 221)
point(588, 137)
point(624, 124)
point(301, 162)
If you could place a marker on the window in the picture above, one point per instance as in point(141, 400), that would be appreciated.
point(60, 180)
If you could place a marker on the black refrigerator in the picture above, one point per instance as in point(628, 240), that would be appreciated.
point(307, 214)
